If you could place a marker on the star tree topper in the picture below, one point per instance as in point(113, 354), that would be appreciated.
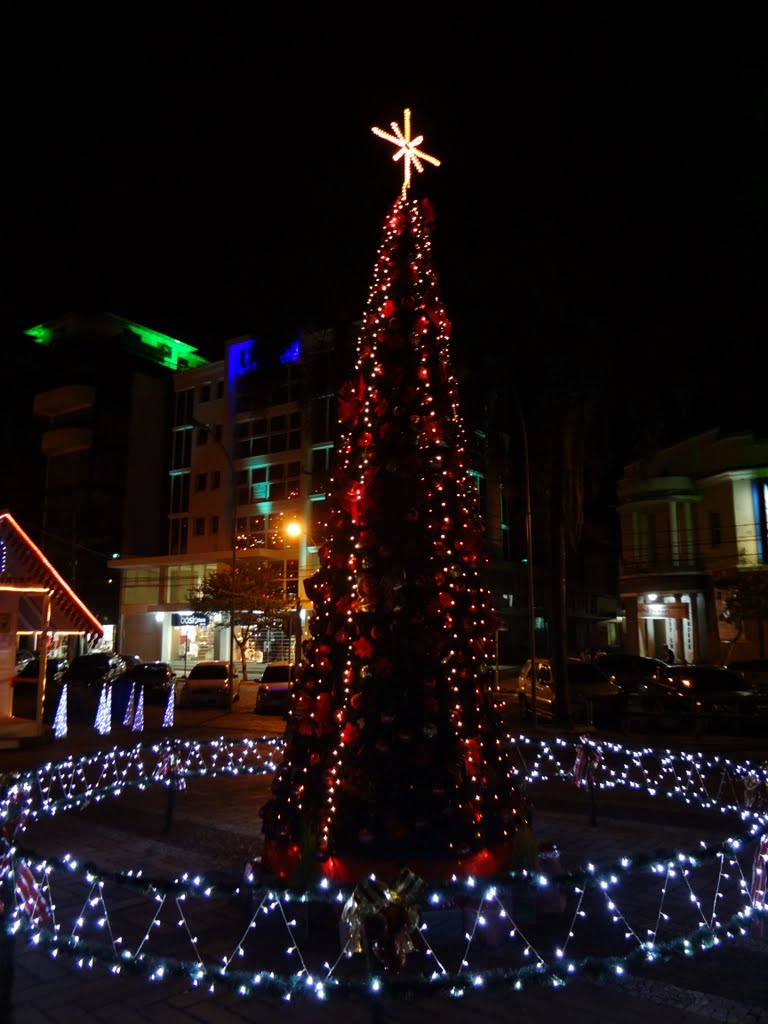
point(409, 148)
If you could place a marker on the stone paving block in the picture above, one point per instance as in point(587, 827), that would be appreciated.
point(69, 1013)
point(117, 1013)
point(213, 1011)
point(31, 1015)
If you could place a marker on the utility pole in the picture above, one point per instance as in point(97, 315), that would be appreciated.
point(233, 569)
point(529, 559)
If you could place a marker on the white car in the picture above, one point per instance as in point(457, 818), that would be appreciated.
point(588, 685)
point(208, 683)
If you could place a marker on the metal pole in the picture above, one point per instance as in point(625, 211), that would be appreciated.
point(529, 553)
point(233, 570)
point(297, 648)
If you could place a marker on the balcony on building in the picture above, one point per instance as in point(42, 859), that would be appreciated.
point(63, 401)
point(66, 441)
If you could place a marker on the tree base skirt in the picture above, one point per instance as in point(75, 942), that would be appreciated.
point(283, 861)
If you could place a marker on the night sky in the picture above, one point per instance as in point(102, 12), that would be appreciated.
point(602, 190)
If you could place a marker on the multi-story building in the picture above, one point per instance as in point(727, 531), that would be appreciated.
point(252, 438)
point(693, 516)
point(102, 386)
point(252, 447)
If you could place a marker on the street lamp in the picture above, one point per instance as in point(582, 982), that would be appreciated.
point(293, 530)
point(230, 462)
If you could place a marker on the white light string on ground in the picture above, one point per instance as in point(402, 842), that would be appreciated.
point(614, 915)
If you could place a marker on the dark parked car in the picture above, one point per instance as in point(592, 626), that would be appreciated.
point(631, 670)
point(84, 679)
point(157, 678)
point(274, 692)
point(753, 671)
point(23, 655)
point(719, 694)
point(592, 691)
point(652, 699)
point(24, 685)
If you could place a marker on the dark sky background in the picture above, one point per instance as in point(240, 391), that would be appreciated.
point(602, 190)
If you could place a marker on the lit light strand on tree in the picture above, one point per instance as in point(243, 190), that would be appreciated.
point(394, 751)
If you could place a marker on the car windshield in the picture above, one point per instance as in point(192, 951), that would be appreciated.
point(95, 662)
point(711, 680)
point(583, 672)
point(209, 672)
point(277, 674)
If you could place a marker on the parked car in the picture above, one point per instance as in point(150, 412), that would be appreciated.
point(208, 683)
point(592, 692)
point(720, 694)
point(84, 679)
point(630, 670)
point(131, 660)
point(753, 671)
point(651, 697)
point(23, 655)
point(274, 692)
point(157, 678)
point(24, 685)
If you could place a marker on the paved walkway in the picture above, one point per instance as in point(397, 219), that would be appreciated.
point(216, 828)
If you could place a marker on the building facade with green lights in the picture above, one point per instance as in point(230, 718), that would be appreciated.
point(102, 396)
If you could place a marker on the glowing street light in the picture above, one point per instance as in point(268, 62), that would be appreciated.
point(294, 531)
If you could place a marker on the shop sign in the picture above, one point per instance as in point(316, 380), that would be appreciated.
point(177, 619)
point(659, 610)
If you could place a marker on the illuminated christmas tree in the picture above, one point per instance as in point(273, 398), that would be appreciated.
point(395, 750)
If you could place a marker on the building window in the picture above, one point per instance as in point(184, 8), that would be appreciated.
point(179, 531)
point(205, 393)
point(200, 482)
point(323, 418)
point(715, 531)
point(219, 388)
point(279, 482)
point(215, 479)
point(183, 407)
point(214, 525)
point(259, 436)
point(322, 464)
point(263, 531)
point(182, 449)
point(760, 500)
point(199, 526)
point(478, 480)
point(142, 586)
point(180, 492)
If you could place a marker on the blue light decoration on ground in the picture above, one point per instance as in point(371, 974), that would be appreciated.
point(60, 718)
point(130, 707)
point(103, 721)
point(645, 906)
